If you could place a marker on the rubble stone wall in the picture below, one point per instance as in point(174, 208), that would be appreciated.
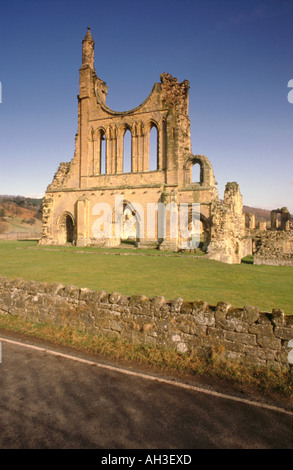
point(273, 247)
point(229, 241)
point(244, 335)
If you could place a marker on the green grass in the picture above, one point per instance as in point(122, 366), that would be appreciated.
point(171, 276)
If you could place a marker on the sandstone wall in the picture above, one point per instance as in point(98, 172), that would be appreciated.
point(243, 335)
point(273, 247)
point(103, 167)
point(229, 240)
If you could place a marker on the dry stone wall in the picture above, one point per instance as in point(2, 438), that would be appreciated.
point(244, 335)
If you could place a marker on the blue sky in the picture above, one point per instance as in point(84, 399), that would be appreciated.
point(237, 56)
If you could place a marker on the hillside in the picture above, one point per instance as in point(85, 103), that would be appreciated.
point(20, 214)
point(261, 215)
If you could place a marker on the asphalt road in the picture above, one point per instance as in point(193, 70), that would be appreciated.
point(54, 402)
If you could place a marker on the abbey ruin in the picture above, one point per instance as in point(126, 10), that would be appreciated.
point(158, 170)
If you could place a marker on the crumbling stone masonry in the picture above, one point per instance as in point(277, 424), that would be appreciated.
point(104, 171)
point(101, 170)
point(272, 245)
point(229, 240)
point(244, 335)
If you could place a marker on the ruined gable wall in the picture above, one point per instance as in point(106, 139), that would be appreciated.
point(158, 110)
point(60, 176)
point(80, 184)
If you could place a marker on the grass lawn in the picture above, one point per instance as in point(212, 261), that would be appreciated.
point(171, 276)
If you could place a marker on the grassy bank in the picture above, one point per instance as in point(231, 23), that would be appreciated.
point(171, 276)
point(266, 380)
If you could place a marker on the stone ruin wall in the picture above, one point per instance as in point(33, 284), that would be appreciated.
point(273, 248)
point(229, 240)
point(271, 245)
point(240, 335)
point(79, 184)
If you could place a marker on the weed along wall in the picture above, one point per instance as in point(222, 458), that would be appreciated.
point(244, 335)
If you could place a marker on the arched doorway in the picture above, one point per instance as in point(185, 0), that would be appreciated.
point(129, 230)
point(67, 229)
point(198, 230)
point(127, 219)
point(205, 233)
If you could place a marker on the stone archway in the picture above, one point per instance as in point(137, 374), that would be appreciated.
point(205, 170)
point(129, 229)
point(204, 228)
point(127, 219)
point(197, 229)
point(67, 229)
point(205, 233)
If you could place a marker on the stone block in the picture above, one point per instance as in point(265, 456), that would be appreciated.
point(259, 329)
point(232, 346)
point(116, 326)
point(184, 327)
point(261, 353)
point(199, 307)
point(268, 342)
point(84, 294)
point(283, 333)
point(278, 317)
point(234, 321)
point(186, 308)
point(99, 297)
point(158, 302)
point(205, 317)
point(243, 338)
point(176, 305)
point(114, 298)
point(215, 333)
point(70, 292)
point(198, 330)
point(250, 314)
point(221, 314)
point(181, 347)
point(288, 321)
point(223, 307)
point(54, 289)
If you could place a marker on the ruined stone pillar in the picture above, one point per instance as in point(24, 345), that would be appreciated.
point(119, 155)
point(108, 154)
point(114, 150)
point(262, 226)
point(134, 153)
point(160, 148)
point(274, 220)
point(140, 146)
point(146, 152)
point(249, 220)
point(95, 169)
